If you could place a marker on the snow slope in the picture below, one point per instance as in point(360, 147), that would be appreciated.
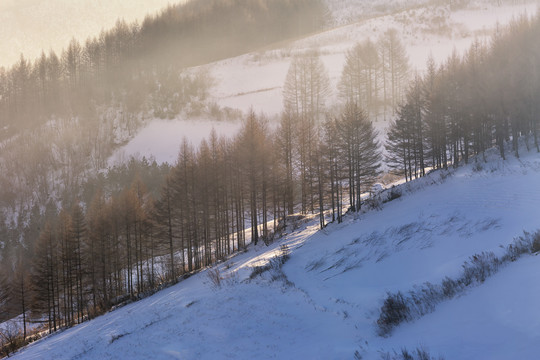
point(325, 302)
point(455, 29)
point(498, 320)
point(161, 139)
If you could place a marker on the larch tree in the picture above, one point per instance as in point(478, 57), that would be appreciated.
point(44, 289)
point(100, 246)
point(5, 290)
point(79, 233)
point(21, 289)
point(252, 143)
point(304, 95)
point(285, 139)
point(360, 77)
point(394, 66)
point(165, 217)
point(360, 149)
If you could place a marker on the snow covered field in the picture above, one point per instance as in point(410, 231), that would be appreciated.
point(325, 302)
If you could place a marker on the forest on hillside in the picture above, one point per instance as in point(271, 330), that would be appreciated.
point(128, 231)
point(63, 114)
point(139, 66)
point(470, 103)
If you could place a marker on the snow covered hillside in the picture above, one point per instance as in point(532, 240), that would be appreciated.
point(422, 34)
point(255, 80)
point(323, 303)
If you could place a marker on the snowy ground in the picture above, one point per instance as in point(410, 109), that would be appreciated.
point(326, 304)
point(161, 139)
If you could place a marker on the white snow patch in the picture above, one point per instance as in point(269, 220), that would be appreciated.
point(161, 139)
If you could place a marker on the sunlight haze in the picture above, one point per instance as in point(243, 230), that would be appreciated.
point(29, 26)
point(269, 179)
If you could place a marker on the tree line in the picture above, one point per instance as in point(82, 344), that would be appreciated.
point(487, 97)
point(62, 114)
point(139, 66)
point(216, 199)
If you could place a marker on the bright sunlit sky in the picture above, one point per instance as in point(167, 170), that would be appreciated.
point(28, 26)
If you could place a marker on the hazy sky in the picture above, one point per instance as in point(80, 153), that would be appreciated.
point(28, 26)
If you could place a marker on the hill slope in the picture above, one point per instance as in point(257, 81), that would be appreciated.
point(255, 80)
point(324, 302)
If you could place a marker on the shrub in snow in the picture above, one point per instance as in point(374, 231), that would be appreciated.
point(536, 242)
point(477, 167)
point(274, 266)
point(214, 276)
point(258, 270)
point(404, 354)
point(12, 339)
point(373, 203)
point(422, 300)
point(479, 267)
point(450, 287)
point(522, 245)
point(376, 188)
point(291, 222)
point(393, 312)
point(285, 254)
point(392, 194)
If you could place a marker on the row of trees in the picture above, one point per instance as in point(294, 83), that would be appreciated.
point(469, 104)
point(49, 232)
point(62, 115)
